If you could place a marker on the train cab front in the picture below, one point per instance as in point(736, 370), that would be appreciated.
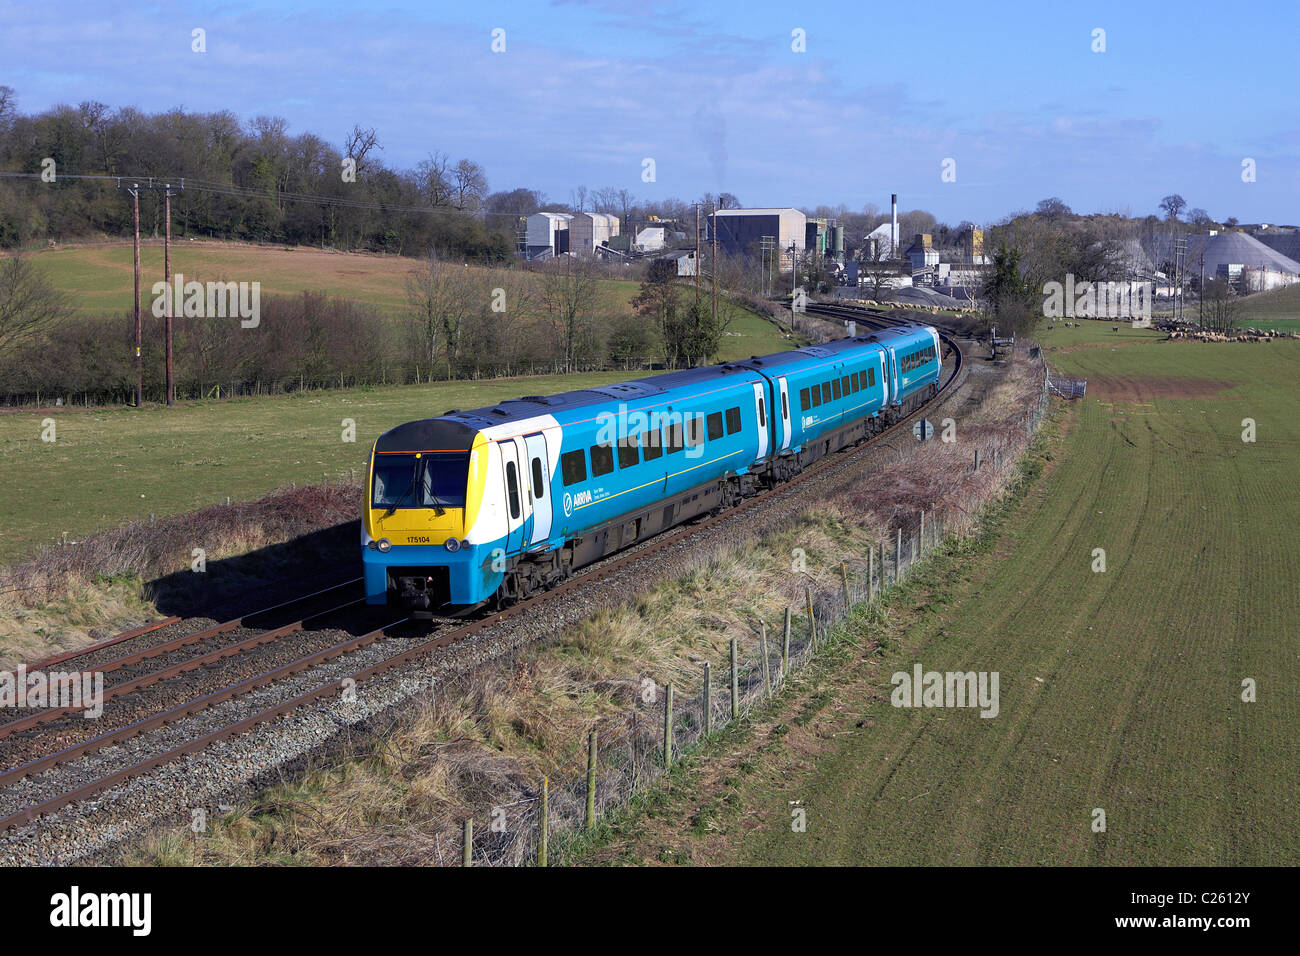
point(423, 493)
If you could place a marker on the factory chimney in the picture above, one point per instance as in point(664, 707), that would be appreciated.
point(893, 225)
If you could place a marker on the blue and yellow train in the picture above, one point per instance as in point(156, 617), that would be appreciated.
point(496, 503)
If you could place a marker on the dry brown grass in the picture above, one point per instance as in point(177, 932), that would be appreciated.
point(67, 594)
point(487, 741)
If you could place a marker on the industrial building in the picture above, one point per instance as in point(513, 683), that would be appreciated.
point(742, 231)
point(547, 234)
point(590, 230)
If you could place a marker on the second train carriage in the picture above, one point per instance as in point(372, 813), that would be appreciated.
point(501, 501)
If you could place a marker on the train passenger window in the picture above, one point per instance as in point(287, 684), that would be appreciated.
point(826, 392)
point(835, 388)
point(602, 460)
point(803, 399)
point(871, 378)
point(715, 425)
point(512, 489)
point(785, 406)
point(816, 395)
point(694, 431)
point(847, 382)
point(651, 446)
point(573, 466)
point(539, 483)
point(733, 420)
point(627, 453)
point(853, 381)
point(762, 414)
point(675, 439)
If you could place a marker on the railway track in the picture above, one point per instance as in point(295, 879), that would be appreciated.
point(446, 633)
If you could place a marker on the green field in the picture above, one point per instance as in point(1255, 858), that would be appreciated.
point(1278, 309)
point(1119, 690)
point(98, 280)
point(109, 466)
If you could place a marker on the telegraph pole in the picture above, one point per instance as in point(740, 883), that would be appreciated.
point(134, 190)
point(167, 288)
point(167, 190)
point(715, 266)
point(697, 254)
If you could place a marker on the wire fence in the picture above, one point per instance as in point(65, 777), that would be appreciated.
point(627, 755)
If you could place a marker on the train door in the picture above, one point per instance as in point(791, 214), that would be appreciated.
point(537, 476)
point(785, 413)
point(760, 411)
point(513, 454)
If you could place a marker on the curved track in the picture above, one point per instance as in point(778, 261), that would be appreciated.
point(448, 633)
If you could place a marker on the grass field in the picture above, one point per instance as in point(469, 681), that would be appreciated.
point(98, 280)
point(109, 466)
point(1120, 690)
point(1278, 309)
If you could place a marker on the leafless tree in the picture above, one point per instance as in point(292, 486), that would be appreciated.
point(432, 180)
point(569, 298)
point(471, 185)
point(436, 295)
point(29, 305)
point(359, 142)
point(580, 199)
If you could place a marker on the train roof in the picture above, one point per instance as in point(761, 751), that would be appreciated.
point(453, 426)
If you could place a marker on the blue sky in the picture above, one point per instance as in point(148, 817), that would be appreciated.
point(714, 93)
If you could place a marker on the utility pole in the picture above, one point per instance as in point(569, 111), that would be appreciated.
point(697, 254)
point(134, 190)
point(167, 288)
point(1200, 319)
point(715, 266)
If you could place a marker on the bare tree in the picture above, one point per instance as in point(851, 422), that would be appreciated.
point(436, 295)
point(359, 142)
point(580, 199)
point(569, 298)
point(432, 181)
point(605, 200)
point(29, 305)
point(1172, 205)
point(471, 185)
point(1222, 309)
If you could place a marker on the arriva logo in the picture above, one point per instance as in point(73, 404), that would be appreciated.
point(568, 504)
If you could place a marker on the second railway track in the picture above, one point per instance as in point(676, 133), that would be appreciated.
point(37, 758)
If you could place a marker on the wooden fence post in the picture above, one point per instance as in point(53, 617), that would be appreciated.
point(844, 576)
point(882, 565)
point(812, 620)
point(762, 650)
point(785, 645)
point(898, 557)
point(921, 535)
point(735, 681)
point(542, 827)
point(708, 701)
point(467, 858)
point(871, 574)
point(668, 727)
point(591, 780)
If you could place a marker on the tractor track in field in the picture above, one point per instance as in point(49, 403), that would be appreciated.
point(203, 713)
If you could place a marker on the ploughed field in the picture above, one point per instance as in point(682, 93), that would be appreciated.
point(1119, 690)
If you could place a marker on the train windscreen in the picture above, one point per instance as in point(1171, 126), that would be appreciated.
point(428, 480)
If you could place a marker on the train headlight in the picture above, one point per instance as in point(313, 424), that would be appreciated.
point(452, 544)
point(385, 545)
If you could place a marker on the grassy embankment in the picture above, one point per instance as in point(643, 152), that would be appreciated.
point(1120, 690)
